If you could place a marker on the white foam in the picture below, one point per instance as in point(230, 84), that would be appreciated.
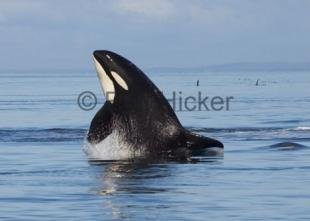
point(302, 128)
point(111, 148)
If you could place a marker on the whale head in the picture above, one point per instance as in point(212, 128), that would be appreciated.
point(120, 79)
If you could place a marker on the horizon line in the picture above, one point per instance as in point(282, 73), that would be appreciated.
point(234, 66)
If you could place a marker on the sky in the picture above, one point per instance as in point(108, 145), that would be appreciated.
point(57, 34)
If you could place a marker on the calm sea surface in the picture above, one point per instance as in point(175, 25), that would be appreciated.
point(45, 175)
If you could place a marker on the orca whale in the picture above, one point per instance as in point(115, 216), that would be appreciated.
point(287, 146)
point(136, 119)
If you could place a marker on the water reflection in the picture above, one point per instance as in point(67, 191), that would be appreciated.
point(131, 177)
point(140, 176)
point(141, 185)
point(120, 181)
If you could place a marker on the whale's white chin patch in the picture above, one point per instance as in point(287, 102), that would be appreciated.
point(106, 83)
point(111, 148)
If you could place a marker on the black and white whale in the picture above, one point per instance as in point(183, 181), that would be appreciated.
point(136, 119)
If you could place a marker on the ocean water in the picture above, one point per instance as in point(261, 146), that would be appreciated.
point(263, 175)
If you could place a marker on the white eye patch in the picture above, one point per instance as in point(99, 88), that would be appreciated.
point(106, 83)
point(119, 80)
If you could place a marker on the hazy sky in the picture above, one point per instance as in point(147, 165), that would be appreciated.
point(58, 34)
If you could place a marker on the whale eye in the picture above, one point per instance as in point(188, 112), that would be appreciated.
point(119, 80)
point(108, 56)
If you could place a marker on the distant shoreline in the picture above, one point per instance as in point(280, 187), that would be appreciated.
point(231, 67)
point(251, 67)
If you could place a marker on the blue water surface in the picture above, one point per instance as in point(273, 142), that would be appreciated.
point(263, 175)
